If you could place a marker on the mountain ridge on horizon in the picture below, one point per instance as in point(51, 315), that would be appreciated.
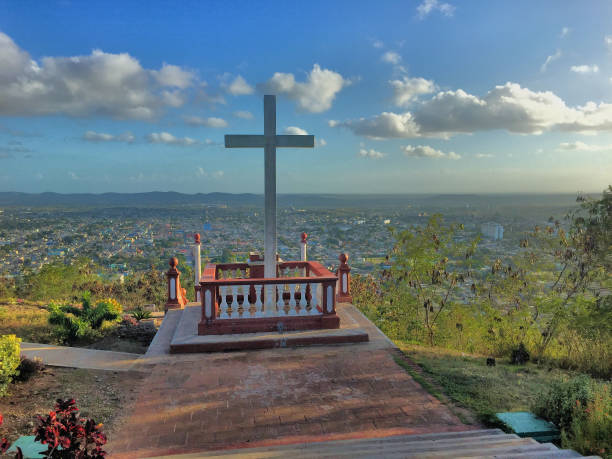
point(174, 198)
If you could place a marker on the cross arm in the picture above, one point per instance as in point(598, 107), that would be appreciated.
point(295, 141)
point(245, 141)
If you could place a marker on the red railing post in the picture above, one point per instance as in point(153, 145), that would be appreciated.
point(198, 266)
point(176, 294)
point(344, 280)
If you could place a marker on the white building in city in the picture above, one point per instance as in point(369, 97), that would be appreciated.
point(492, 230)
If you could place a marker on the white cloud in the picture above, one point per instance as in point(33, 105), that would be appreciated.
point(218, 174)
point(315, 95)
point(391, 57)
point(320, 142)
point(509, 107)
point(584, 69)
point(93, 136)
point(483, 155)
point(167, 138)
point(207, 122)
point(244, 114)
point(294, 130)
point(428, 6)
point(377, 44)
point(239, 87)
point(549, 59)
point(581, 146)
point(201, 172)
point(565, 32)
point(173, 76)
point(371, 153)
point(608, 41)
point(98, 84)
point(425, 151)
point(407, 89)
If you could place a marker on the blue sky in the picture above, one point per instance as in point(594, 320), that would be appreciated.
point(402, 96)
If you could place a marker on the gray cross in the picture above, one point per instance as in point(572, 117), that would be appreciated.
point(269, 141)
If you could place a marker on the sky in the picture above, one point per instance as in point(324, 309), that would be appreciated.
point(423, 96)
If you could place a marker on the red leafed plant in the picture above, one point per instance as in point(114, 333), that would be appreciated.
point(4, 444)
point(68, 436)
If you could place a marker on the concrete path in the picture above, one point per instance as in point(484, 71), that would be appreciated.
point(205, 402)
point(77, 357)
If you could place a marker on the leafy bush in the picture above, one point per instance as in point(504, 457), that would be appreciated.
point(74, 323)
point(9, 360)
point(76, 436)
point(140, 313)
point(28, 368)
point(582, 409)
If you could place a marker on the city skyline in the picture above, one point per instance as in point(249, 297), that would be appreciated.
point(426, 96)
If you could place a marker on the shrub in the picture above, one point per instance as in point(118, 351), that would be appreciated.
point(141, 313)
point(76, 436)
point(28, 368)
point(519, 356)
point(9, 360)
point(74, 323)
point(582, 408)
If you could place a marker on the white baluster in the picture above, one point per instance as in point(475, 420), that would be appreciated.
point(292, 303)
point(270, 307)
point(280, 305)
point(258, 304)
point(303, 302)
point(314, 300)
point(235, 300)
point(223, 304)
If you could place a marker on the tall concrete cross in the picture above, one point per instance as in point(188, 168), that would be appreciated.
point(269, 141)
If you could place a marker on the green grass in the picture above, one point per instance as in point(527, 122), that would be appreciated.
point(484, 390)
point(28, 321)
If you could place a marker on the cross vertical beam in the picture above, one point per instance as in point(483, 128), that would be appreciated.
point(270, 186)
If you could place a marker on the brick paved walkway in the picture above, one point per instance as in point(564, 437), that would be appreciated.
point(202, 402)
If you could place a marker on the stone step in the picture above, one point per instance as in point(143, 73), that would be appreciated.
point(476, 443)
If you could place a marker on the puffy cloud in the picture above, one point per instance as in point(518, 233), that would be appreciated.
point(167, 138)
point(173, 76)
point(391, 57)
point(384, 126)
point(239, 87)
point(428, 6)
point(509, 107)
point(92, 136)
point(565, 32)
point(584, 69)
point(371, 153)
point(207, 122)
point(425, 151)
point(407, 89)
point(98, 84)
point(320, 142)
point(549, 59)
point(294, 130)
point(581, 146)
point(608, 41)
point(218, 174)
point(315, 95)
point(244, 114)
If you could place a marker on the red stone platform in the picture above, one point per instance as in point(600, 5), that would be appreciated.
point(187, 340)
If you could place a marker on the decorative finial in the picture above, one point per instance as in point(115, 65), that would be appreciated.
point(173, 262)
point(343, 258)
point(304, 236)
point(197, 238)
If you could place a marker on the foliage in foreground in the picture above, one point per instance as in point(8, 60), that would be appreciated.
point(551, 392)
point(582, 409)
point(74, 323)
point(66, 435)
point(552, 297)
point(9, 360)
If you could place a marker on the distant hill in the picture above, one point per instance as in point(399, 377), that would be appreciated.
point(172, 198)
